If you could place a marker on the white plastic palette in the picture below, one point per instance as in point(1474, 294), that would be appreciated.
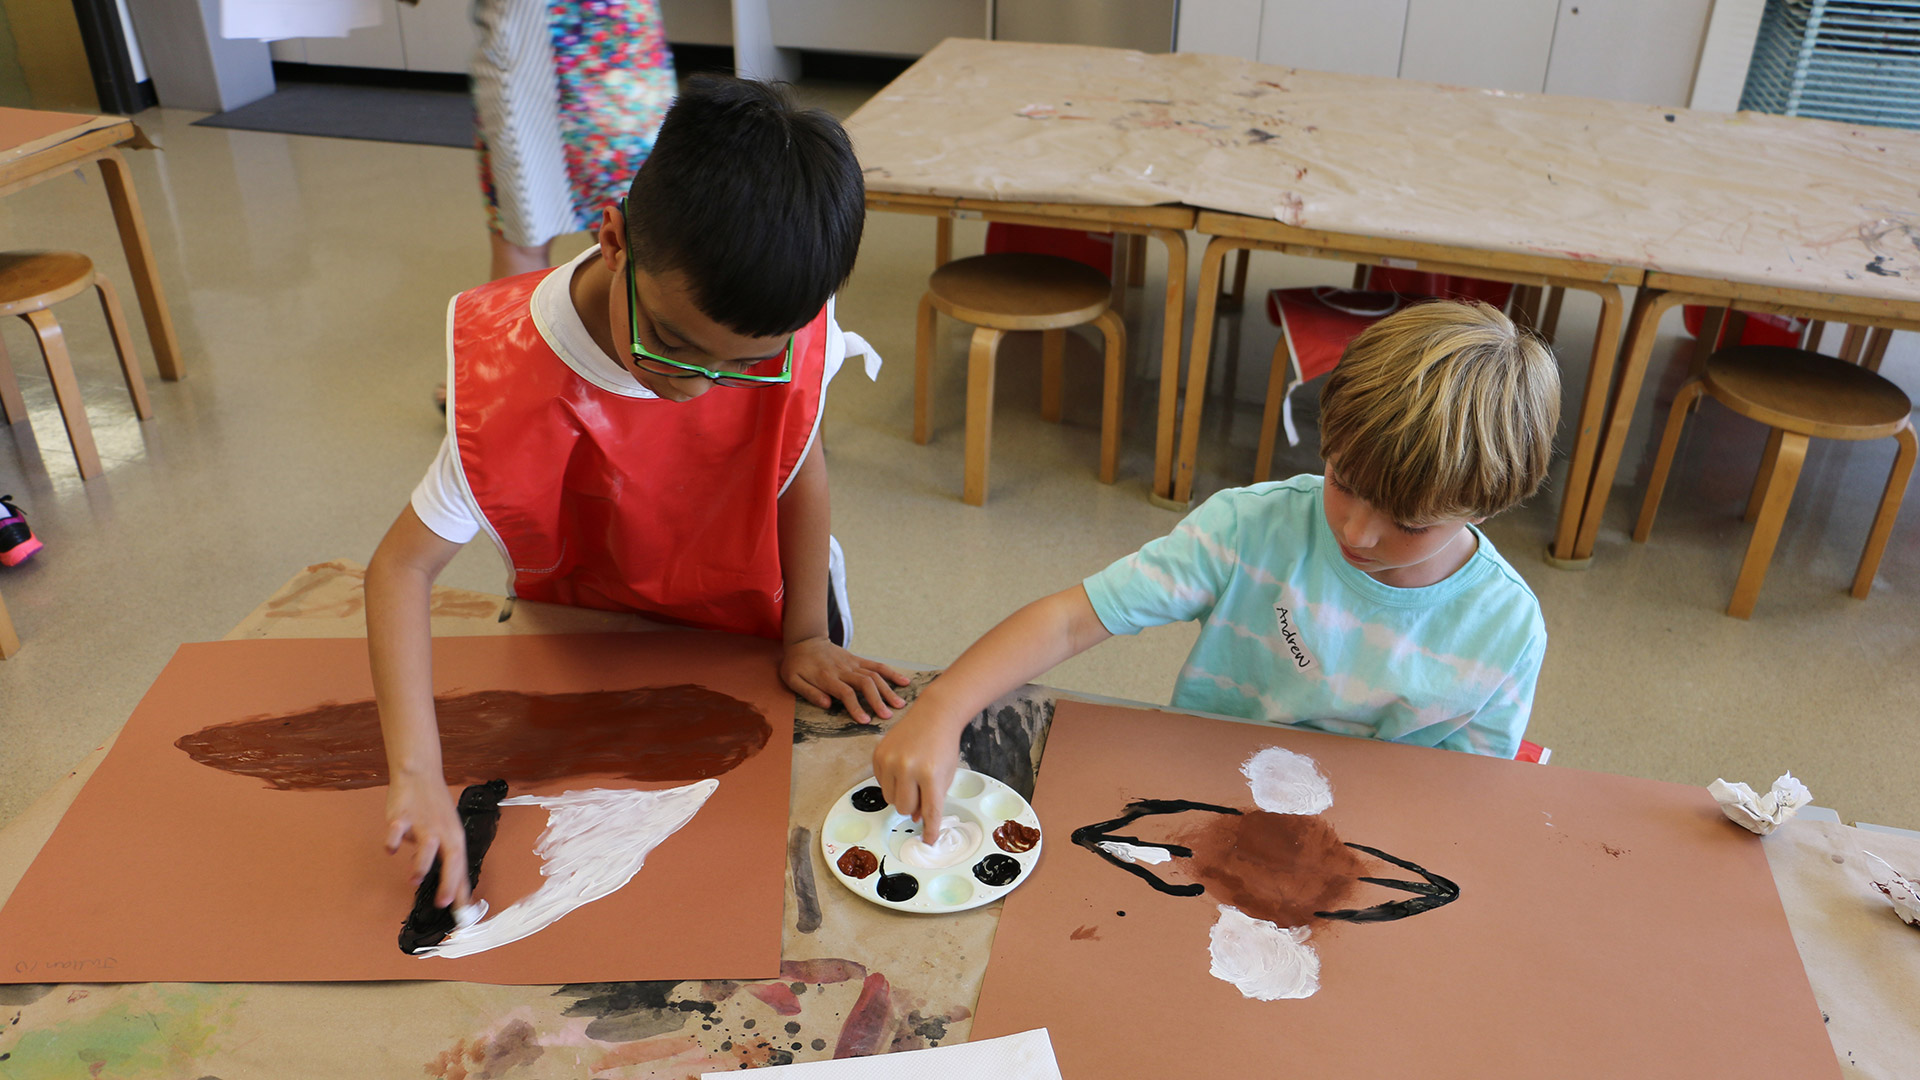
point(863, 839)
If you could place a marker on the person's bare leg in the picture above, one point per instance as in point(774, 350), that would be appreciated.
point(511, 259)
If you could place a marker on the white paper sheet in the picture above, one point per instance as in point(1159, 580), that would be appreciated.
point(1026, 1056)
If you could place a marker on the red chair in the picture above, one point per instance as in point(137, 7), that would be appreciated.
point(1095, 249)
point(1759, 328)
point(1316, 324)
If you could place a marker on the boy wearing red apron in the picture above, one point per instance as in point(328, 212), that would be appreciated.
point(638, 430)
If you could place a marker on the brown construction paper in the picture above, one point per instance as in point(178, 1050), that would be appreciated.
point(1606, 926)
point(168, 869)
point(1748, 197)
point(23, 131)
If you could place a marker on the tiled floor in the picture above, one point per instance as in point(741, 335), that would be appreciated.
point(309, 280)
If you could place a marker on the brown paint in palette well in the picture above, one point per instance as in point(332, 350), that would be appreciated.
point(654, 733)
point(1279, 867)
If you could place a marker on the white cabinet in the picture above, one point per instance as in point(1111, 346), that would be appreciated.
point(884, 27)
point(1628, 50)
point(1359, 37)
point(439, 35)
point(698, 22)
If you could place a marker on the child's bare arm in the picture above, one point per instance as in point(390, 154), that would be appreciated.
point(420, 809)
point(814, 667)
point(916, 761)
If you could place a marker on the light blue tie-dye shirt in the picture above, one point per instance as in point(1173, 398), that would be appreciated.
point(1293, 633)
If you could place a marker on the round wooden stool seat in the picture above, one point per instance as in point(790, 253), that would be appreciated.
point(1806, 392)
point(33, 280)
point(1018, 291)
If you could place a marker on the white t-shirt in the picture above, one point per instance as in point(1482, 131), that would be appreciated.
point(441, 498)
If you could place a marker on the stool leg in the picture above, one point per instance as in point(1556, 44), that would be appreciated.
point(1550, 320)
point(9, 641)
point(1234, 299)
point(1663, 461)
point(66, 390)
point(986, 344)
point(1136, 260)
point(923, 369)
point(1851, 345)
point(1113, 390)
point(942, 241)
point(1815, 331)
point(1766, 531)
point(123, 347)
point(1524, 306)
point(12, 406)
point(1053, 372)
point(1117, 269)
point(1277, 375)
point(1360, 274)
point(1764, 477)
point(1876, 348)
point(1889, 509)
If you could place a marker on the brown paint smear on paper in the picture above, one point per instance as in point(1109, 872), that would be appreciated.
point(1283, 868)
point(653, 733)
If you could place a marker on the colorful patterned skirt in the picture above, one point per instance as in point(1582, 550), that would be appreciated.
point(569, 95)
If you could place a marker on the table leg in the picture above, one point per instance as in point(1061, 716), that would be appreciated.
point(1647, 309)
point(1170, 342)
point(146, 276)
point(1204, 304)
point(942, 241)
point(9, 641)
point(1593, 411)
point(13, 407)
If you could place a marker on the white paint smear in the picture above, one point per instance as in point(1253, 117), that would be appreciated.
point(956, 843)
point(1284, 782)
point(1134, 853)
point(1902, 892)
point(1261, 960)
point(595, 841)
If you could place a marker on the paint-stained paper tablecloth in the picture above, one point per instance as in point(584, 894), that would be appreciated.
point(856, 979)
point(1750, 197)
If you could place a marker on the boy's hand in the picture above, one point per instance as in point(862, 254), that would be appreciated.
point(914, 765)
point(424, 814)
point(822, 672)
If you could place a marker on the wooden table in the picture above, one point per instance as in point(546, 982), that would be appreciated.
point(36, 146)
point(857, 979)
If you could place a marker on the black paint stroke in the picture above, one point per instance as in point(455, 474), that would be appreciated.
point(1092, 836)
point(806, 897)
point(631, 1011)
point(997, 870)
point(429, 924)
point(1436, 892)
point(1006, 739)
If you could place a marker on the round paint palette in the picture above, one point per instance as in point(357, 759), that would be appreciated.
point(877, 852)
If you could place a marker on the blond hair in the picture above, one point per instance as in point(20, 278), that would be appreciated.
point(1442, 410)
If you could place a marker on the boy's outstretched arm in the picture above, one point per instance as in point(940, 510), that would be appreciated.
point(420, 809)
point(916, 761)
point(814, 667)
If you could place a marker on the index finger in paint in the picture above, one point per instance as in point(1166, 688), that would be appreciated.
point(930, 801)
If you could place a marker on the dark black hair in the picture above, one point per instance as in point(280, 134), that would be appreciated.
point(756, 202)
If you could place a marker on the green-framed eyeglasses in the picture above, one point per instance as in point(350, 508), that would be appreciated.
point(680, 369)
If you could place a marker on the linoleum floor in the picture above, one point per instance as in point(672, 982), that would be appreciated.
point(309, 278)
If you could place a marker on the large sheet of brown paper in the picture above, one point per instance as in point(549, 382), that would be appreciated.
point(23, 131)
point(1604, 927)
point(1771, 200)
point(167, 869)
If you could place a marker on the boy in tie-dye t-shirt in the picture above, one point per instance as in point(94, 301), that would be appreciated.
point(1365, 602)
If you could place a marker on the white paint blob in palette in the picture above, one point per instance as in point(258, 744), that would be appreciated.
point(989, 843)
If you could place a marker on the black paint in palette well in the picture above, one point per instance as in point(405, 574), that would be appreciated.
point(428, 924)
point(997, 870)
point(896, 888)
point(869, 800)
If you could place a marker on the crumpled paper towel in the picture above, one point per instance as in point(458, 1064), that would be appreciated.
point(1902, 891)
point(1760, 813)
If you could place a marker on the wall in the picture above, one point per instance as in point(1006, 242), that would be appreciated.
point(42, 62)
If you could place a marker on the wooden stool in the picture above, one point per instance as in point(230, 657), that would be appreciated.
point(999, 293)
point(30, 283)
point(1800, 395)
point(9, 641)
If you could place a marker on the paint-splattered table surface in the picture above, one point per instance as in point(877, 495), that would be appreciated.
point(857, 979)
point(1747, 197)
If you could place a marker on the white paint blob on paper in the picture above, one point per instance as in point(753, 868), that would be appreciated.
point(1263, 961)
point(595, 841)
point(957, 842)
point(1134, 853)
point(1284, 782)
point(1903, 892)
point(1760, 813)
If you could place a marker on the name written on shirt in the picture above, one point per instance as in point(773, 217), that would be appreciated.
point(1291, 635)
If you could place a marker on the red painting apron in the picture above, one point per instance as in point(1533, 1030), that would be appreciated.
point(622, 503)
